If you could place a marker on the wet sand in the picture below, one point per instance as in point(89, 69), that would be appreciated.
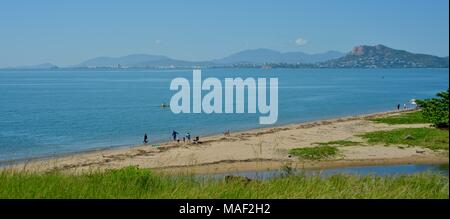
point(258, 149)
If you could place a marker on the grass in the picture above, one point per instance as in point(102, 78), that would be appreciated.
point(339, 143)
point(404, 118)
point(314, 153)
point(432, 138)
point(140, 183)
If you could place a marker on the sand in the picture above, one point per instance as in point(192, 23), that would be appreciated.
point(257, 149)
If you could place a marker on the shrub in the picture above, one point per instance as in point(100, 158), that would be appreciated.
point(435, 110)
point(314, 153)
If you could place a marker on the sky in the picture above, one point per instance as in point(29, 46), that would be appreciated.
point(66, 32)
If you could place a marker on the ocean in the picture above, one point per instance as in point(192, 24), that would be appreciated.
point(53, 112)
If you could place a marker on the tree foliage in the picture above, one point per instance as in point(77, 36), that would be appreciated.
point(435, 109)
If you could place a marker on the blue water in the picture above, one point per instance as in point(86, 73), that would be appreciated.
point(380, 170)
point(49, 112)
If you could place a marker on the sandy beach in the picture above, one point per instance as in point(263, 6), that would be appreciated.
point(258, 149)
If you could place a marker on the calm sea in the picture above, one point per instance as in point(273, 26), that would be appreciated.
point(50, 112)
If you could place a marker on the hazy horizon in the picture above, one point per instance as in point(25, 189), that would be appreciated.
point(67, 33)
point(170, 56)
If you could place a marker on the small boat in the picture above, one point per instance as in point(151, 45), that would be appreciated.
point(163, 105)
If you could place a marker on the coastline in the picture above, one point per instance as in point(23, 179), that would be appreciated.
point(248, 150)
point(99, 149)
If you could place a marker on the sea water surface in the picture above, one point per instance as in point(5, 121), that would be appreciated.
point(378, 170)
point(51, 112)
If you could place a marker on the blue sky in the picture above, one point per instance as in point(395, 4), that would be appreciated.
point(68, 32)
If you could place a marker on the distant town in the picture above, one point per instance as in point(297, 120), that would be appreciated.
point(378, 56)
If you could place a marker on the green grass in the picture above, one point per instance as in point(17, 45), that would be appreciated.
point(404, 118)
point(432, 138)
point(314, 153)
point(339, 143)
point(139, 183)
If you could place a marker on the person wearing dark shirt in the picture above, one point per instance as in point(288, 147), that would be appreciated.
point(145, 138)
point(174, 135)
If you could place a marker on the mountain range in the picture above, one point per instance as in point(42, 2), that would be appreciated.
point(261, 56)
point(255, 57)
point(381, 56)
point(363, 56)
point(39, 66)
point(138, 61)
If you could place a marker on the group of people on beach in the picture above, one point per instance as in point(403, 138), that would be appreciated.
point(187, 137)
point(175, 138)
point(175, 134)
point(405, 107)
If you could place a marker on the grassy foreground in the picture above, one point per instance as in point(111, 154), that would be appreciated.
point(140, 183)
point(404, 118)
point(432, 138)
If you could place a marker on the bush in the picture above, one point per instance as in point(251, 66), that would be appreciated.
point(435, 139)
point(314, 153)
point(435, 110)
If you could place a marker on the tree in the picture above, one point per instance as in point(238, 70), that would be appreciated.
point(435, 110)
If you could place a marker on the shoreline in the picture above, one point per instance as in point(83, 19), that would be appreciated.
point(174, 157)
point(5, 163)
point(265, 165)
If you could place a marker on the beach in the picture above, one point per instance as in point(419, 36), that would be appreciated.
point(252, 150)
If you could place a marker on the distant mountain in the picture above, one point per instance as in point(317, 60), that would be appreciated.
point(296, 57)
point(129, 60)
point(39, 66)
point(261, 56)
point(138, 61)
point(378, 56)
point(257, 56)
point(381, 56)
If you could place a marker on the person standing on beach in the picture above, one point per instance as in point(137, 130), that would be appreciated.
point(404, 106)
point(145, 138)
point(188, 136)
point(398, 106)
point(174, 135)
